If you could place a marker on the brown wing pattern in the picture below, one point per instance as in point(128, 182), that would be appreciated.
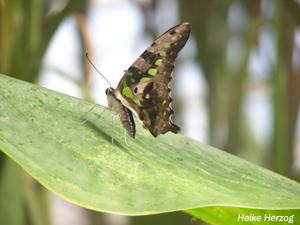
point(145, 86)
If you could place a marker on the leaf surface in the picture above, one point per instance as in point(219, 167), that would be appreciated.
point(39, 130)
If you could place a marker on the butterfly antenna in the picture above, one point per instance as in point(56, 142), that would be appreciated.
point(96, 69)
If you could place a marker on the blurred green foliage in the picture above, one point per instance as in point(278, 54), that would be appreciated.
point(228, 85)
point(26, 28)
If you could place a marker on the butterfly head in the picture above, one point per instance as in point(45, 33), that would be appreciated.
point(111, 98)
point(110, 91)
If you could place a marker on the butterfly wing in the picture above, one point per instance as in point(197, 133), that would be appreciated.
point(144, 87)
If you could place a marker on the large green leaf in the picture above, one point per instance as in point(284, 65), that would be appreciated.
point(39, 130)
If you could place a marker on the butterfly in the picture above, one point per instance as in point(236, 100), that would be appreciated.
point(144, 88)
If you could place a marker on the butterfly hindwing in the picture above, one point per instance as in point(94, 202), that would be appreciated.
point(144, 87)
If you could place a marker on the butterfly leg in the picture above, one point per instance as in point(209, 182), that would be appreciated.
point(125, 139)
point(113, 122)
point(92, 114)
point(120, 127)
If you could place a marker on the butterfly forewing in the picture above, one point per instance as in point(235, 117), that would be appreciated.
point(145, 86)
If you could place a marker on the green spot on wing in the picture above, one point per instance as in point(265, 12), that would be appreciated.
point(147, 96)
point(132, 80)
point(152, 71)
point(163, 54)
point(158, 62)
point(164, 102)
point(130, 73)
point(124, 84)
point(127, 92)
point(160, 93)
point(165, 113)
point(144, 79)
point(147, 116)
point(167, 45)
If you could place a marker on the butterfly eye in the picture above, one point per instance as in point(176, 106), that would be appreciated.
point(135, 90)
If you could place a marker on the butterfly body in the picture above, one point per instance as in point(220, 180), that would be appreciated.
point(144, 88)
point(125, 114)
